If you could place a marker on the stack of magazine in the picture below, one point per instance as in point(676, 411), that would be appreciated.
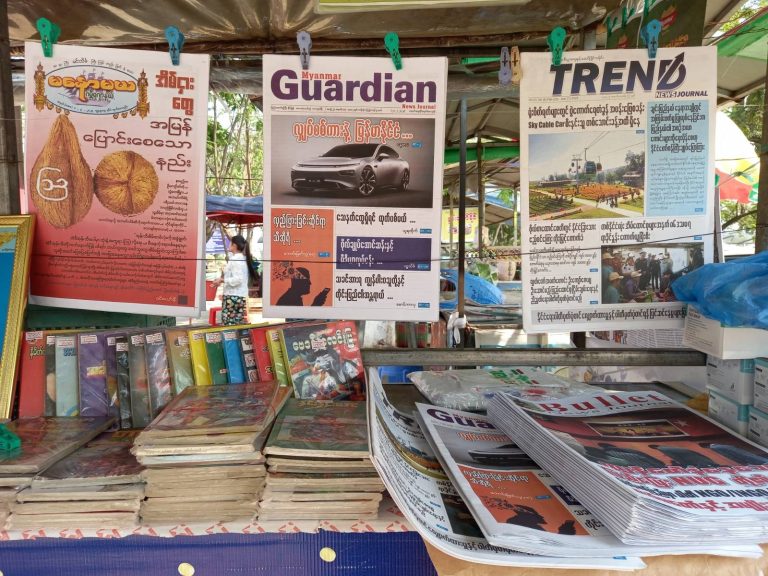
point(652, 470)
point(98, 486)
point(319, 465)
point(203, 453)
point(44, 441)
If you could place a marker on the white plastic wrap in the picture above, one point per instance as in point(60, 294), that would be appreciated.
point(471, 389)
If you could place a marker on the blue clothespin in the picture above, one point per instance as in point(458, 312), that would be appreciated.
point(49, 35)
point(175, 42)
point(555, 42)
point(650, 35)
point(9, 442)
point(392, 42)
point(304, 41)
point(505, 67)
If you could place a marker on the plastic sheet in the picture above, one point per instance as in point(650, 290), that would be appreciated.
point(137, 22)
point(734, 293)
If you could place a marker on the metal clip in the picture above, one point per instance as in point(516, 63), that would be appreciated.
point(304, 40)
point(175, 42)
point(392, 42)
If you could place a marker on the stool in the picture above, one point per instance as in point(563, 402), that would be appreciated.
point(212, 315)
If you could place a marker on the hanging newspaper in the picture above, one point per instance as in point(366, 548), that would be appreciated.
point(654, 471)
point(517, 504)
point(353, 166)
point(115, 148)
point(617, 179)
point(417, 483)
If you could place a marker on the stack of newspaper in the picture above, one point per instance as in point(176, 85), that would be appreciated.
point(318, 463)
point(203, 453)
point(652, 470)
point(98, 486)
point(518, 505)
point(424, 493)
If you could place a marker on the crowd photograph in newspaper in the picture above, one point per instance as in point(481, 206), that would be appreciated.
point(645, 272)
point(653, 470)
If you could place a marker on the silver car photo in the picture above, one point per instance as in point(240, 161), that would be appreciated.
point(362, 167)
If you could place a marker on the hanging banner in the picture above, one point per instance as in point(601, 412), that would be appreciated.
point(115, 148)
point(617, 173)
point(450, 225)
point(353, 170)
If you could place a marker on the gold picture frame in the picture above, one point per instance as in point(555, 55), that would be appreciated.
point(16, 235)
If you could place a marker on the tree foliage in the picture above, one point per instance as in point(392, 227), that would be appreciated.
point(234, 152)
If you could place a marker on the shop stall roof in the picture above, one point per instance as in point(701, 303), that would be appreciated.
point(238, 32)
point(239, 211)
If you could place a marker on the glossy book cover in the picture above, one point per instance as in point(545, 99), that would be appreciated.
point(92, 368)
point(141, 415)
point(323, 360)
point(158, 374)
point(320, 428)
point(218, 409)
point(123, 370)
point(67, 396)
point(46, 440)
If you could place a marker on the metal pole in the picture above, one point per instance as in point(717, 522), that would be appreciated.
point(462, 209)
point(480, 197)
point(9, 158)
point(761, 235)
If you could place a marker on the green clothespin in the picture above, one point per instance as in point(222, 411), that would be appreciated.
point(9, 442)
point(392, 42)
point(555, 42)
point(49, 35)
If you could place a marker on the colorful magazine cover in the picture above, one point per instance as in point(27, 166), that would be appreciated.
point(32, 375)
point(320, 429)
point(261, 353)
point(141, 414)
point(110, 361)
point(200, 368)
point(47, 440)
point(123, 369)
point(179, 359)
point(214, 349)
point(233, 357)
point(217, 409)
point(67, 395)
point(277, 357)
point(50, 375)
point(250, 365)
point(105, 460)
point(158, 375)
point(323, 360)
point(92, 367)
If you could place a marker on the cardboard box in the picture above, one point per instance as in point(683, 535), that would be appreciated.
point(761, 384)
point(713, 338)
point(729, 413)
point(758, 427)
point(734, 379)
